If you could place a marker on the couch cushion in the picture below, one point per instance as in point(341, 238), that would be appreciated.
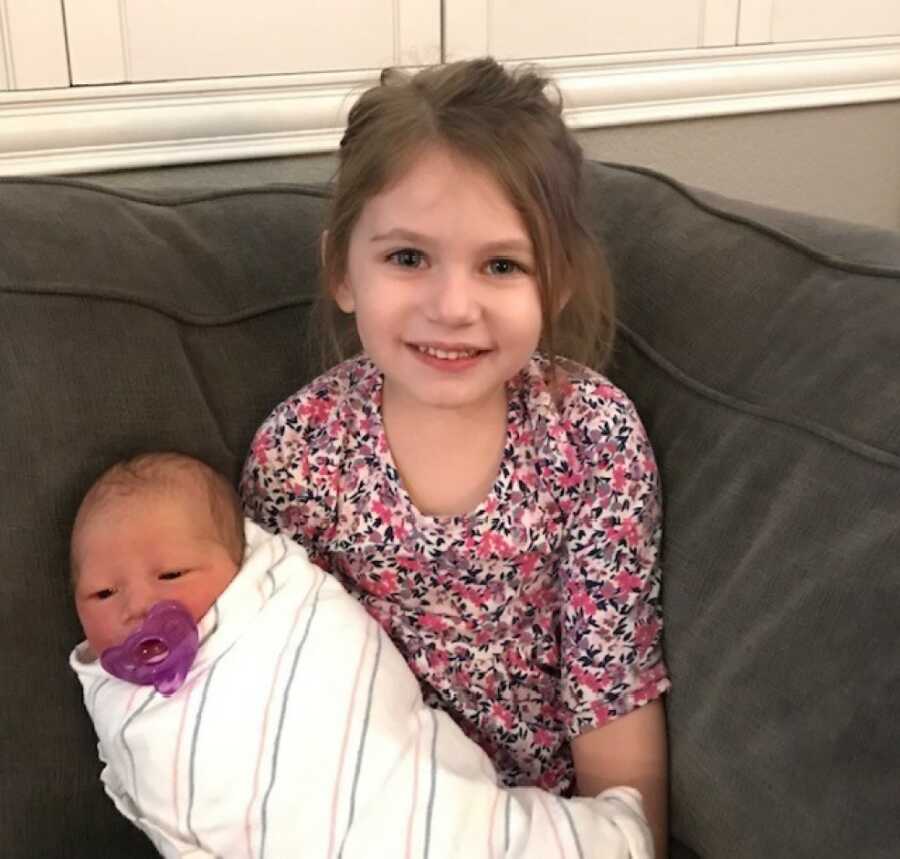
point(763, 351)
point(125, 324)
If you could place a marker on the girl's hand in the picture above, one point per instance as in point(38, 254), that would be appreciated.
point(630, 750)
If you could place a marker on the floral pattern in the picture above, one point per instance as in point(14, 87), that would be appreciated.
point(530, 620)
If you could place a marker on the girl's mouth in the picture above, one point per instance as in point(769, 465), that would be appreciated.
point(456, 358)
point(449, 354)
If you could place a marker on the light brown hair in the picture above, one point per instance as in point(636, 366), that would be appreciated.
point(506, 123)
point(165, 471)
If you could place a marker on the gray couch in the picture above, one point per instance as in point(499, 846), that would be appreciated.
point(762, 349)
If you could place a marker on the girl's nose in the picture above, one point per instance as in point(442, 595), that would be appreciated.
point(453, 299)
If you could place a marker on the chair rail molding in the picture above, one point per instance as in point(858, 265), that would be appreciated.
point(111, 127)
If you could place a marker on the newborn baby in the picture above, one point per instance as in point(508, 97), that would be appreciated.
point(298, 729)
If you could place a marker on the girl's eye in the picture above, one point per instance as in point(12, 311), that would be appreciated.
point(407, 258)
point(104, 593)
point(503, 266)
point(173, 574)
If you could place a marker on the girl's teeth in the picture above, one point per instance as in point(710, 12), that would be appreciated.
point(441, 353)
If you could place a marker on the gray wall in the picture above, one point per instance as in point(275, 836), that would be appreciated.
point(843, 162)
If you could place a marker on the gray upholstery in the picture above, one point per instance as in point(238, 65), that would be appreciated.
point(762, 349)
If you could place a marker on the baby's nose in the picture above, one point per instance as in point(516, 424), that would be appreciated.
point(138, 602)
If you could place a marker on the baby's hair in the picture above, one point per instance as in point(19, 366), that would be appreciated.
point(166, 471)
point(503, 122)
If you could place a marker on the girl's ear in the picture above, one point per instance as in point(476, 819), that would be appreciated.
point(561, 302)
point(341, 292)
point(343, 296)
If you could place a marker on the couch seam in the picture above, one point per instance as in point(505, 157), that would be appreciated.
point(292, 188)
point(199, 319)
point(852, 445)
point(202, 389)
point(872, 269)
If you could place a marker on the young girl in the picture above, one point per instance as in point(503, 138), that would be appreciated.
point(494, 505)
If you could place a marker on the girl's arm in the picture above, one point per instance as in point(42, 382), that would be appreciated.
point(613, 672)
point(629, 750)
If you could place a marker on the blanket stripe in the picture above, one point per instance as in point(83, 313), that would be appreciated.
point(572, 828)
point(543, 803)
point(265, 806)
point(506, 824)
point(192, 766)
point(343, 750)
point(492, 816)
point(363, 736)
point(92, 697)
point(432, 789)
point(189, 688)
point(415, 789)
point(248, 818)
point(131, 717)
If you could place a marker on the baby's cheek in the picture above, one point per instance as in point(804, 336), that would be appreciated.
point(101, 635)
point(199, 604)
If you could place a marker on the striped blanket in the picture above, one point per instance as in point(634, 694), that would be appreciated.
point(300, 731)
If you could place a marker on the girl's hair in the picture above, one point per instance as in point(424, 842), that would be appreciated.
point(504, 122)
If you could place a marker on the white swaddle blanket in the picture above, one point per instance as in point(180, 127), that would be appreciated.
point(300, 732)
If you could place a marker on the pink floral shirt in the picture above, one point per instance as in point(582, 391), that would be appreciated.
point(532, 619)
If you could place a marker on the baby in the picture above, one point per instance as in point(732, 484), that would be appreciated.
point(298, 728)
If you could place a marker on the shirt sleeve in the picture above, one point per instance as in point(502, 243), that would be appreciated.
point(610, 618)
point(289, 481)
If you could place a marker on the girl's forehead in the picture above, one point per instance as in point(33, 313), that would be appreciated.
point(441, 188)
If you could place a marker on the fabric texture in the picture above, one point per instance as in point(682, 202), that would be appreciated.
point(761, 349)
point(530, 620)
point(299, 730)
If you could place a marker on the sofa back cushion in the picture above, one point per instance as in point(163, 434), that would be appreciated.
point(126, 324)
point(762, 349)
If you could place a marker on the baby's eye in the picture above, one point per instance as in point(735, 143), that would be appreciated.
point(503, 266)
point(104, 593)
point(172, 574)
point(407, 258)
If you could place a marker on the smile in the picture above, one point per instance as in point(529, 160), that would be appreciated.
point(448, 354)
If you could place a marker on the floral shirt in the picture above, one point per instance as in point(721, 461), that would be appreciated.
point(530, 620)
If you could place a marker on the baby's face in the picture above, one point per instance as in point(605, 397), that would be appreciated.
point(135, 550)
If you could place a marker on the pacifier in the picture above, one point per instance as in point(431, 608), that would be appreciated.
point(160, 653)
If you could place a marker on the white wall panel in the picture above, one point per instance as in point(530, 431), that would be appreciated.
point(513, 29)
point(157, 40)
point(32, 47)
point(720, 20)
point(795, 20)
point(4, 51)
point(811, 20)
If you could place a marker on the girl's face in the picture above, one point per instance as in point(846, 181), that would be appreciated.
point(440, 275)
point(140, 549)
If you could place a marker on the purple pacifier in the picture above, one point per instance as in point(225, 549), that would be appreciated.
point(160, 652)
